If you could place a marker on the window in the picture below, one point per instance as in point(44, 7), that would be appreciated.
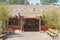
point(14, 22)
point(32, 22)
point(43, 23)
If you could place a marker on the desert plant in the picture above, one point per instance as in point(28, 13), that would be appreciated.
point(51, 18)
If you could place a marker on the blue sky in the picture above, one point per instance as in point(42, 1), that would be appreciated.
point(34, 1)
point(58, 2)
point(38, 1)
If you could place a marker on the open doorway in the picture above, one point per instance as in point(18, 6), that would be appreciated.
point(31, 24)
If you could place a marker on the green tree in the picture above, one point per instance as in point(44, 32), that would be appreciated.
point(37, 3)
point(51, 18)
point(17, 2)
point(46, 2)
point(22, 2)
point(26, 3)
point(1, 0)
point(12, 2)
point(4, 14)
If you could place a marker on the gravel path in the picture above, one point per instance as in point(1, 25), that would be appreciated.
point(31, 36)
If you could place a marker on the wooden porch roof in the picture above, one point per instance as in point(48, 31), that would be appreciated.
point(29, 10)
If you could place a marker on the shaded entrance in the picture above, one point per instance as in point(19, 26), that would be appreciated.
point(31, 24)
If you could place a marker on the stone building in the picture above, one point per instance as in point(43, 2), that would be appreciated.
point(28, 17)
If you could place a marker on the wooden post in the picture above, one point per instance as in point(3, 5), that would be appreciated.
point(39, 24)
point(7, 24)
point(21, 23)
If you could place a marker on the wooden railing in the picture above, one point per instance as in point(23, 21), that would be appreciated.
point(52, 32)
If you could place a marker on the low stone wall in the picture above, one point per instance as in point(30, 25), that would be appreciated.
point(44, 28)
